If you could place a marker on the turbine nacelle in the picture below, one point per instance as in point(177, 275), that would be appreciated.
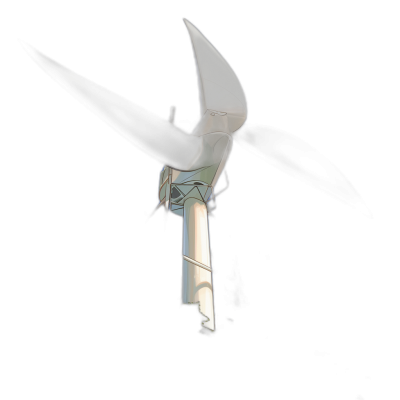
point(176, 186)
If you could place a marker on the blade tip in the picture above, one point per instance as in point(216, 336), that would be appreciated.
point(188, 24)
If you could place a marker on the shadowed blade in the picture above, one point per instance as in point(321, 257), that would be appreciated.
point(158, 138)
point(299, 159)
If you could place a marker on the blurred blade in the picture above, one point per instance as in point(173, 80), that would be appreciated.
point(163, 214)
point(172, 114)
point(299, 159)
point(165, 222)
point(156, 137)
point(219, 87)
point(155, 210)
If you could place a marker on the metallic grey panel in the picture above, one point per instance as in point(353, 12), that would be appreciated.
point(175, 193)
point(157, 137)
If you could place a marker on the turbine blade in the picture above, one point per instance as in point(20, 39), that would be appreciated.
point(297, 158)
point(165, 222)
point(160, 139)
point(172, 115)
point(161, 203)
point(219, 87)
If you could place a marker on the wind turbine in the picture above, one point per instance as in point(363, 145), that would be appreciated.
point(194, 162)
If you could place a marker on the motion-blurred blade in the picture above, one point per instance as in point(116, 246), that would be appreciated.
point(299, 159)
point(155, 210)
point(158, 138)
point(172, 114)
point(165, 222)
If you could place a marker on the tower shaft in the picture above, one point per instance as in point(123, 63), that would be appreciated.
point(197, 274)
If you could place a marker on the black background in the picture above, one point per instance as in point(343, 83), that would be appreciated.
point(304, 286)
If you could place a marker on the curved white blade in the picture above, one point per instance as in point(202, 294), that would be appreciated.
point(219, 87)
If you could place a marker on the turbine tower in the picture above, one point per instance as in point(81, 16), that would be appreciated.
point(223, 110)
point(194, 162)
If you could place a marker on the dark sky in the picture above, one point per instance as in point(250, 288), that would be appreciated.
point(304, 268)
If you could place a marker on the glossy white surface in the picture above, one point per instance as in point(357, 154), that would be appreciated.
point(219, 87)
